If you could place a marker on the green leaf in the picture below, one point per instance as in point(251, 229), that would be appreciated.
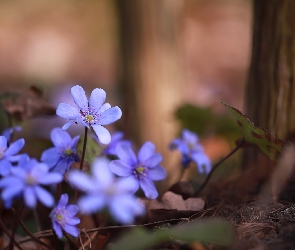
point(215, 231)
point(93, 149)
point(267, 143)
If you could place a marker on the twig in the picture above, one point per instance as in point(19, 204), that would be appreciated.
point(4, 228)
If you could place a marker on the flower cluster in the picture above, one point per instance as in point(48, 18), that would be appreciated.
point(103, 190)
point(191, 151)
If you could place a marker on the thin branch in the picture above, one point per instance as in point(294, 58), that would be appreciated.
point(4, 228)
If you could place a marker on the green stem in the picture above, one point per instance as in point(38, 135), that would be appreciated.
point(82, 160)
point(197, 193)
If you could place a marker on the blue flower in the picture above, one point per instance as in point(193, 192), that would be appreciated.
point(144, 169)
point(117, 138)
point(60, 157)
point(103, 190)
point(8, 132)
point(63, 217)
point(192, 151)
point(25, 179)
point(94, 114)
point(7, 154)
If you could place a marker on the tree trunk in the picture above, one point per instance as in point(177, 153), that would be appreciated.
point(270, 91)
point(151, 76)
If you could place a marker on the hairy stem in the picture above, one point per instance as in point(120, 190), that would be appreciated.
point(242, 141)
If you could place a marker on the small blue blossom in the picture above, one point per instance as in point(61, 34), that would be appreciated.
point(9, 131)
point(8, 154)
point(192, 151)
point(144, 169)
point(60, 157)
point(63, 217)
point(26, 180)
point(103, 190)
point(94, 113)
point(117, 138)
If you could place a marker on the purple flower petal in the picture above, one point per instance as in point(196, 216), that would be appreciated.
point(15, 147)
point(79, 97)
point(80, 181)
point(50, 157)
point(153, 161)
point(156, 174)
point(44, 196)
point(102, 133)
point(120, 168)
point(67, 125)
point(104, 108)
point(72, 210)
point(146, 151)
point(3, 142)
point(129, 184)
point(102, 172)
point(12, 190)
point(110, 115)
point(72, 230)
point(91, 203)
point(97, 98)
point(189, 137)
point(5, 167)
point(57, 229)
point(149, 188)
point(50, 178)
point(63, 201)
point(67, 111)
point(126, 154)
point(73, 221)
point(30, 197)
point(59, 137)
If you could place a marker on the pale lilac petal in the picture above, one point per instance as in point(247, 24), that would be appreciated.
point(61, 166)
point(19, 172)
point(102, 133)
point(57, 229)
point(63, 201)
point(72, 230)
point(50, 157)
point(73, 221)
point(50, 178)
point(189, 137)
point(60, 138)
point(129, 184)
point(153, 161)
point(44, 196)
point(101, 171)
point(203, 162)
point(79, 97)
point(12, 190)
point(30, 197)
point(75, 141)
point(146, 151)
point(149, 188)
point(97, 98)
point(122, 213)
point(157, 173)
point(67, 125)
point(120, 168)
point(126, 154)
point(110, 115)
point(3, 142)
point(80, 181)
point(104, 108)
point(15, 147)
point(5, 167)
point(67, 111)
point(91, 203)
point(9, 181)
point(72, 210)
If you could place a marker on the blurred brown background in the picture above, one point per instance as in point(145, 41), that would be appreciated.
point(150, 56)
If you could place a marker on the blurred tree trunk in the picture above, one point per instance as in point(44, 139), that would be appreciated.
point(151, 75)
point(270, 92)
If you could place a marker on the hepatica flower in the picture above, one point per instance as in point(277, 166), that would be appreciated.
point(27, 179)
point(63, 217)
point(8, 154)
point(191, 151)
point(94, 113)
point(60, 157)
point(144, 168)
point(117, 138)
point(102, 190)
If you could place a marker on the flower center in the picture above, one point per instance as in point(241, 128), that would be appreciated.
point(30, 180)
point(59, 217)
point(89, 115)
point(140, 171)
point(68, 152)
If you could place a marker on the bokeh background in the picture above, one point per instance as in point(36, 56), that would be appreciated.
point(152, 57)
